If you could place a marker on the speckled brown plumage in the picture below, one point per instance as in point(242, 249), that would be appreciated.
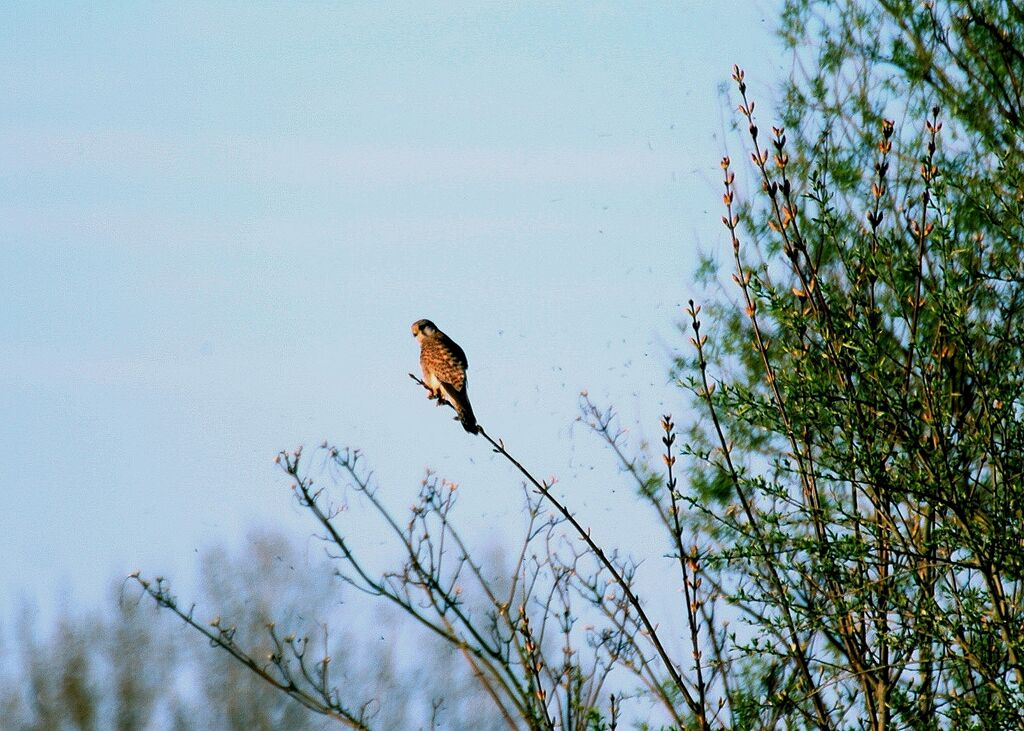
point(444, 367)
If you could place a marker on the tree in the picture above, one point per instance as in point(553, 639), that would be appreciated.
point(848, 543)
point(90, 671)
point(517, 630)
point(859, 472)
point(125, 666)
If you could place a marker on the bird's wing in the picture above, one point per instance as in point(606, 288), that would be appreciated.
point(453, 347)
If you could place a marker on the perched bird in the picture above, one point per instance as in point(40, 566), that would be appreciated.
point(444, 367)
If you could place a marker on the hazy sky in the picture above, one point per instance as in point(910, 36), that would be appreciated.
point(218, 220)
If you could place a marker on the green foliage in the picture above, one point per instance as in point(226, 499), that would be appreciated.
point(867, 409)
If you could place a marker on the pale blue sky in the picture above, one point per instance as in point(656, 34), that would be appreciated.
point(217, 221)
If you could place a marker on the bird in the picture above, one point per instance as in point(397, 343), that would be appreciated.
point(444, 367)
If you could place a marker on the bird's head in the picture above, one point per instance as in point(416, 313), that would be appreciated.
point(423, 328)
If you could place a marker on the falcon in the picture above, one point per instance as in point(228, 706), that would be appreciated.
point(444, 367)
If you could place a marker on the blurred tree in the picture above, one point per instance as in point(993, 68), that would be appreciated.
point(127, 668)
point(91, 671)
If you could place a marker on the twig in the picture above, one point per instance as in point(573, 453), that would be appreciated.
point(544, 489)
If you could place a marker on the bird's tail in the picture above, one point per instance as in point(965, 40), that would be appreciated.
point(460, 400)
